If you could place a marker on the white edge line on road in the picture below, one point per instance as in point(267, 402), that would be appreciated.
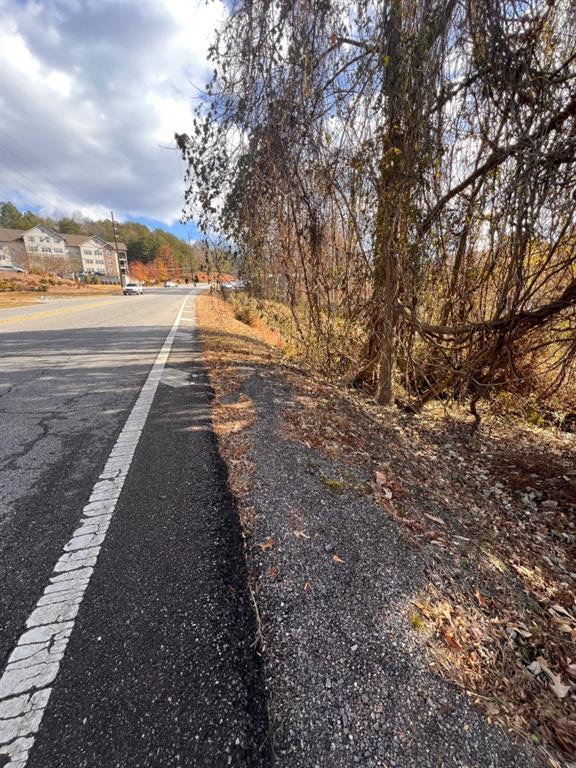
point(33, 665)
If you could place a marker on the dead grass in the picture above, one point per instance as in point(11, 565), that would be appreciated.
point(233, 351)
point(493, 511)
point(17, 290)
point(13, 300)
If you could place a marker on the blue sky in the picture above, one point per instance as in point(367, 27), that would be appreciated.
point(180, 230)
point(91, 94)
point(176, 228)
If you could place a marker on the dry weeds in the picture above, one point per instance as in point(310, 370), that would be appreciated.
point(494, 512)
point(232, 351)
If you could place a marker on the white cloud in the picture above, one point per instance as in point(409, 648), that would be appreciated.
point(89, 89)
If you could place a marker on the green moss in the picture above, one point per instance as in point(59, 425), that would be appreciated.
point(417, 622)
point(336, 486)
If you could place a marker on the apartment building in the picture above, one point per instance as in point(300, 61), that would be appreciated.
point(97, 256)
point(31, 247)
point(42, 248)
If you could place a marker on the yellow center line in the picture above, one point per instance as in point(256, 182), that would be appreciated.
point(53, 312)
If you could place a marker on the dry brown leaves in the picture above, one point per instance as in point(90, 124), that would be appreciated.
point(499, 613)
point(231, 350)
point(511, 599)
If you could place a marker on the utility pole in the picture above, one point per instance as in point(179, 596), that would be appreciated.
point(189, 256)
point(117, 255)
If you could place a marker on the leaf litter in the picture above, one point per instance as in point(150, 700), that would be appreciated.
point(493, 511)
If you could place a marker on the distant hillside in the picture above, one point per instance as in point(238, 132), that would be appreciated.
point(143, 243)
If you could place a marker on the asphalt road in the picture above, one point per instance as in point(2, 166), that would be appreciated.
point(113, 494)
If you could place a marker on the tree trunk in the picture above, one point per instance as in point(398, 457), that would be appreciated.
point(385, 393)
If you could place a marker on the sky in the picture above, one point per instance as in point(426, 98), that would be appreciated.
point(90, 93)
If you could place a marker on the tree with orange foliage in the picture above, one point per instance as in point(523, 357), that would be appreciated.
point(164, 263)
point(140, 271)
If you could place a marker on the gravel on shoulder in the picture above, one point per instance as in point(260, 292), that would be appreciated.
point(346, 674)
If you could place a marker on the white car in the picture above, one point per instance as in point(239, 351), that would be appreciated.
point(170, 284)
point(133, 289)
point(10, 268)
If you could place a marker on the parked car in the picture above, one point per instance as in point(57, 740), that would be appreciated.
point(133, 289)
point(236, 285)
point(10, 268)
point(170, 284)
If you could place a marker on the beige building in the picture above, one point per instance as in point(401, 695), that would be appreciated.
point(43, 248)
point(36, 248)
point(97, 256)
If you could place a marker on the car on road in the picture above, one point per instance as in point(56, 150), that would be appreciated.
point(10, 268)
point(132, 289)
point(170, 284)
point(235, 285)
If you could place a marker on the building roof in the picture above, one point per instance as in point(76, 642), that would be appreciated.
point(121, 246)
point(76, 239)
point(7, 235)
point(44, 228)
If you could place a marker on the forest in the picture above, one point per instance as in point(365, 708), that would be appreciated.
point(401, 174)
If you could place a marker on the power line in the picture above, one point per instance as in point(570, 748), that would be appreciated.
point(20, 175)
point(26, 151)
point(34, 170)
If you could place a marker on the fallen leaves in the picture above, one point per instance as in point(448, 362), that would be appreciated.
point(270, 543)
point(558, 688)
point(480, 598)
point(435, 519)
point(520, 628)
point(450, 640)
point(468, 639)
point(502, 554)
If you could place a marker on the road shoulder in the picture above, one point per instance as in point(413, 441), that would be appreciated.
point(334, 578)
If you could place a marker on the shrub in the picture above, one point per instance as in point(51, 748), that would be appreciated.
point(245, 311)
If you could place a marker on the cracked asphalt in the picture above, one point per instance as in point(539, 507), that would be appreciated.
point(160, 668)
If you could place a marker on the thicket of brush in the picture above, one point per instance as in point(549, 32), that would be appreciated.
point(402, 175)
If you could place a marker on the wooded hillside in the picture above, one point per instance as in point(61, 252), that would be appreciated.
point(143, 244)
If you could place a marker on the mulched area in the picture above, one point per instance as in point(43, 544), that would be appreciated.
point(391, 554)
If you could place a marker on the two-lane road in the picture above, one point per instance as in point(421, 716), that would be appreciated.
point(70, 371)
point(113, 495)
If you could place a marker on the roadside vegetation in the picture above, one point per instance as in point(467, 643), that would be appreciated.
point(396, 182)
point(491, 513)
point(401, 176)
